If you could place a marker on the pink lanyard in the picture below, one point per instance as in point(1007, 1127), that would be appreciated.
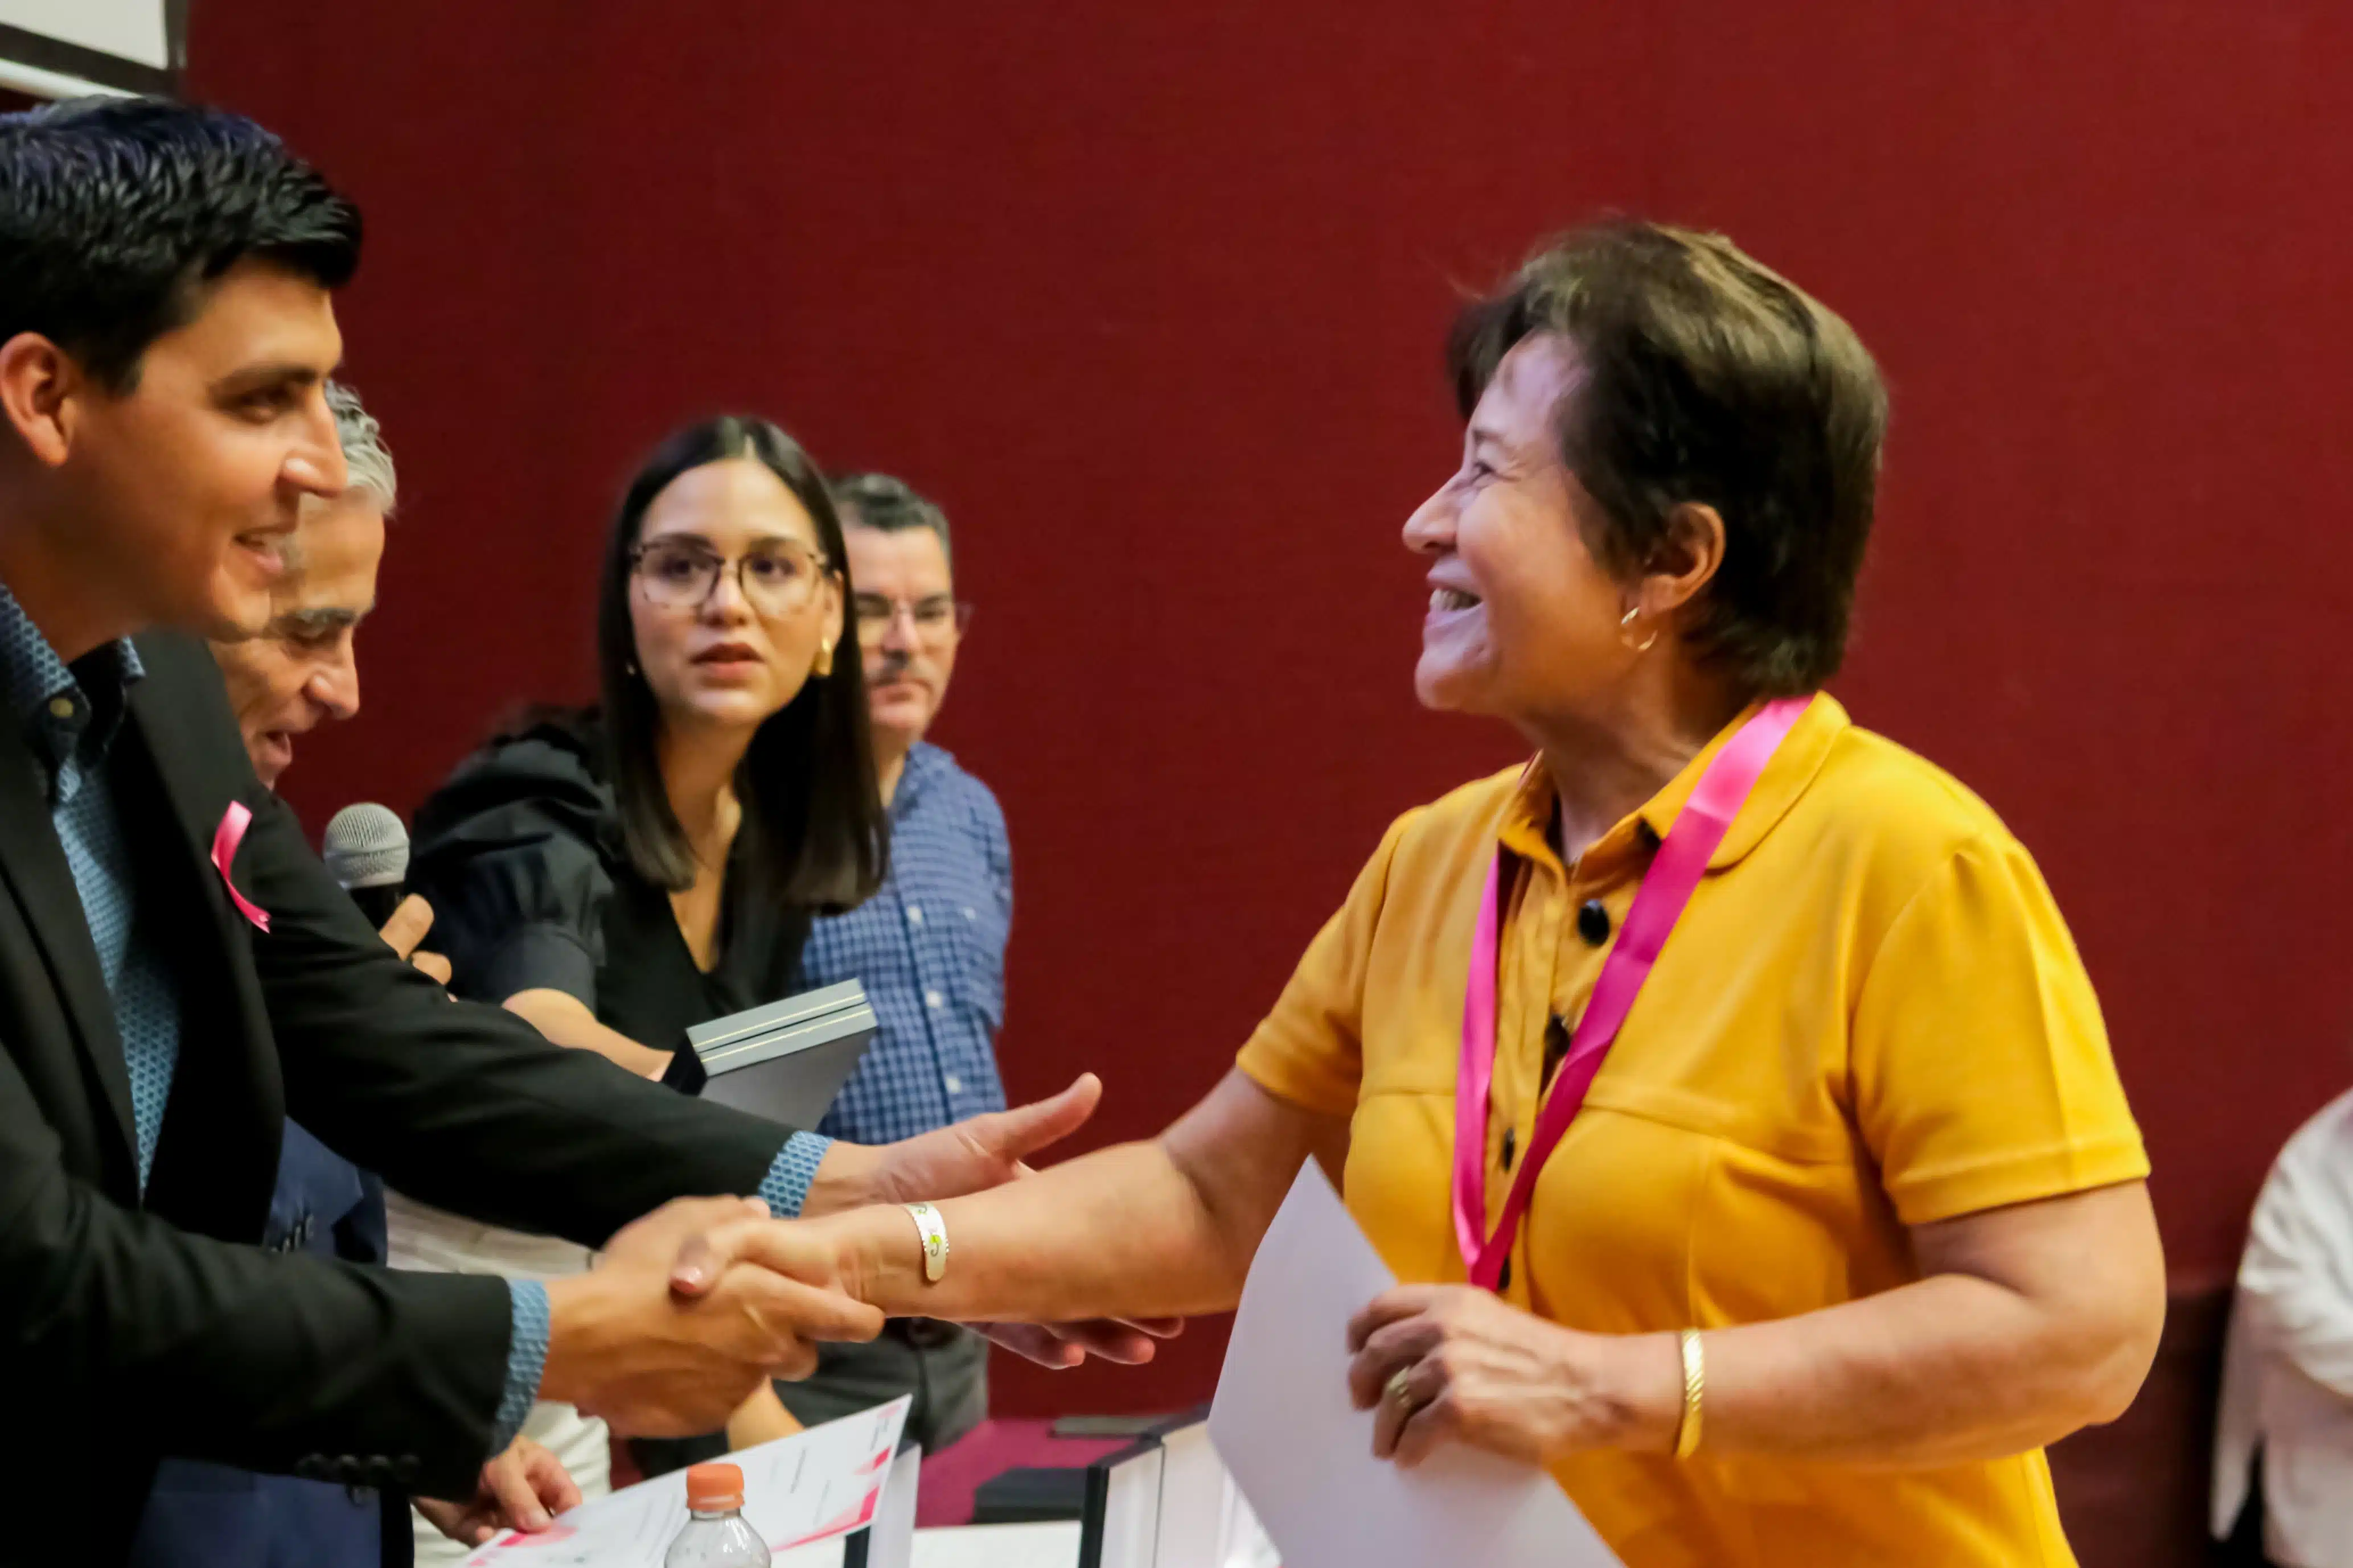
point(1659, 902)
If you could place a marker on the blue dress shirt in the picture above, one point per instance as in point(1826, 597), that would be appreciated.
point(930, 950)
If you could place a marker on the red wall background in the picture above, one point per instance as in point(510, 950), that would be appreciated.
point(1152, 298)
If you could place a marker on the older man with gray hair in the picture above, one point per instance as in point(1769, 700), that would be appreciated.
point(301, 672)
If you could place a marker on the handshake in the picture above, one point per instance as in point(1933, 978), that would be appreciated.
point(672, 1330)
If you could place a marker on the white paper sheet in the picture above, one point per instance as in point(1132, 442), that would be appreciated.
point(813, 1486)
point(1303, 1456)
point(1204, 1521)
point(890, 1540)
point(1052, 1544)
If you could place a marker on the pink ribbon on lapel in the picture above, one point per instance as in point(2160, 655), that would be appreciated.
point(225, 839)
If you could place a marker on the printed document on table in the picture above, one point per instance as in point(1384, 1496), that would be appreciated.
point(814, 1486)
point(1304, 1455)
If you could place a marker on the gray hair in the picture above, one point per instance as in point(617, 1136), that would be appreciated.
point(888, 505)
point(364, 452)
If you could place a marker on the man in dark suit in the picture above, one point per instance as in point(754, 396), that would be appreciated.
point(178, 971)
point(303, 671)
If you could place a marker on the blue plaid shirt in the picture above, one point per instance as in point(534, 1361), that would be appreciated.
point(930, 948)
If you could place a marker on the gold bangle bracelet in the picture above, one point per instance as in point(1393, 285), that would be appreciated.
point(1694, 1392)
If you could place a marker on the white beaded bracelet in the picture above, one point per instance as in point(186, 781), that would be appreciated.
point(933, 1229)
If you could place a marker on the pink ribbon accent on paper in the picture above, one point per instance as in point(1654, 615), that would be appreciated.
point(225, 839)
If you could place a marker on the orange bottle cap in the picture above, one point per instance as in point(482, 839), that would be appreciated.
point(710, 1487)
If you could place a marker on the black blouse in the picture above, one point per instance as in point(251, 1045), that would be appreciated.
point(522, 858)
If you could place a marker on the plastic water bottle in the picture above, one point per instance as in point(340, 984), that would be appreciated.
point(715, 1535)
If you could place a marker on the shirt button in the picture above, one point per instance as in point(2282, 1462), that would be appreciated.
point(934, 1000)
point(915, 915)
point(1556, 1046)
point(970, 913)
point(61, 707)
point(955, 1084)
point(1593, 922)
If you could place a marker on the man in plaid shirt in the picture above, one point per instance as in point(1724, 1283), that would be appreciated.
point(929, 947)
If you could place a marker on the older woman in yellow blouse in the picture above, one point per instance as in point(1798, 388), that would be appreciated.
point(1850, 1221)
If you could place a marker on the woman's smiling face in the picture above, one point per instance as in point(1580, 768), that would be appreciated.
point(1524, 623)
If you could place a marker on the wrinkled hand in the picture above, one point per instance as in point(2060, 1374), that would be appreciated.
point(1060, 1345)
point(406, 928)
point(523, 1488)
point(1482, 1372)
point(1065, 1345)
point(677, 1233)
point(623, 1346)
point(747, 1238)
point(974, 1155)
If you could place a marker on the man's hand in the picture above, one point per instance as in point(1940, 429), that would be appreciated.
point(406, 928)
point(974, 1155)
point(621, 1346)
point(523, 1488)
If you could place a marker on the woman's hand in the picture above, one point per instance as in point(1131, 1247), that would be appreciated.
point(972, 1156)
point(1453, 1363)
point(673, 1236)
point(706, 1236)
point(523, 1488)
point(1061, 1346)
point(762, 1418)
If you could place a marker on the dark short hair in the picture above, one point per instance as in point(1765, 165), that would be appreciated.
point(818, 838)
point(889, 505)
point(1707, 378)
point(115, 212)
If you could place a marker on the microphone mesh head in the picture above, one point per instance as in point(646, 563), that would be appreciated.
point(367, 847)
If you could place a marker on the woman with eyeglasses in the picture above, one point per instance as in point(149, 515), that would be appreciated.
point(618, 873)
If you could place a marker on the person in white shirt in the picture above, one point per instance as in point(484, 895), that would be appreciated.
point(2283, 1445)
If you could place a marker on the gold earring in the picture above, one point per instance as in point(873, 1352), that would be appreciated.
point(824, 664)
point(1626, 625)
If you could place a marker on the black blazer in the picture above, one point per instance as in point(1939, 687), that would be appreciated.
point(132, 1329)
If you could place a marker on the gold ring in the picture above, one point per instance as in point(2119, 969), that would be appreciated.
point(1399, 1391)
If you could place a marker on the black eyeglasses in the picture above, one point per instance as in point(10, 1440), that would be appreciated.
point(776, 579)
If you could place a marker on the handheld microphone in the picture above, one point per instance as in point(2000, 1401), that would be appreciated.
point(366, 850)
